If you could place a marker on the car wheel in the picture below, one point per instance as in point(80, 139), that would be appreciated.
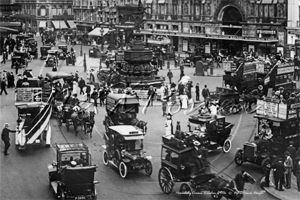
point(226, 146)
point(239, 157)
point(186, 191)
point(148, 168)
point(105, 157)
point(165, 180)
point(123, 169)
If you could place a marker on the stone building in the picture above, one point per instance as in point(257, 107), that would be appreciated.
point(39, 14)
point(212, 25)
point(293, 27)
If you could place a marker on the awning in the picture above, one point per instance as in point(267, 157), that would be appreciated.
point(7, 30)
point(42, 24)
point(71, 24)
point(149, 1)
point(59, 24)
point(96, 32)
point(161, 1)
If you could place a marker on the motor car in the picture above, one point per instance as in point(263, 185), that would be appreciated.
point(63, 49)
point(44, 51)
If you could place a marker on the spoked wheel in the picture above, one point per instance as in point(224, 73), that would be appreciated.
point(239, 157)
point(226, 146)
point(123, 170)
point(165, 180)
point(148, 168)
point(186, 191)
point(105, 157)
point(173, 108)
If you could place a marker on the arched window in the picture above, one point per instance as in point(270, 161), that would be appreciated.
point(53, 10)
point(69, 10)
point(43, 11)
point(59, 10)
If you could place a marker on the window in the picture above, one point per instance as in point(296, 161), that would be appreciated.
point(175, 9)
point(149, 9)
point(59, 10)
point(69, 10)
point(43, 11)
point(53, 10)
point(161, 9)
point(175, 27)
point(149, 26)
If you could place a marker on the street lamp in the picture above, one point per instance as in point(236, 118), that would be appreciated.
point(102, 42)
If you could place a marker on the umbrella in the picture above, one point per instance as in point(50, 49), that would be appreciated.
point(185, 79)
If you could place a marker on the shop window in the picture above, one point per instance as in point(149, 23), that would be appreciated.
point(69, 10)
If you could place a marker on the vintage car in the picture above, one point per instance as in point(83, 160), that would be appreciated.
point(70, 58)
point(124, 149)
point(52, 59)
point(72, 175)
point(63, 49)
point(19, 58)
point(44, 51)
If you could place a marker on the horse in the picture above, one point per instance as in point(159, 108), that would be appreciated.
point(89, 123)
point(230, 189)
point(78, 118)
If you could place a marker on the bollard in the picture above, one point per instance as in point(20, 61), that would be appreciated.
point(81, 50)
point(84, 62)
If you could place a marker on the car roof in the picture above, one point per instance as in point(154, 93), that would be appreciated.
point(132, 99)
point(128, 132)
point(71, 147)
point(57, 75)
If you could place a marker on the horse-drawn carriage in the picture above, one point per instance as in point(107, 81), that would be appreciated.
point(124, 150)
point(122, 109)
point(176, 166)
point(72, 175)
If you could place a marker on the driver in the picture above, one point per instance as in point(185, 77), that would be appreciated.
point(195, 158)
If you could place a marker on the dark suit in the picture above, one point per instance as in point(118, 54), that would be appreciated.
point(5, 138)
point(292, 151)
point(279, 174)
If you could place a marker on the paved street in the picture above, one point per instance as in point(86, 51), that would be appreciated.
point(24, 175)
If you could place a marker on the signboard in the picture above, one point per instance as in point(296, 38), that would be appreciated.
point(292, 113)
point(27, 95)
point(270, 92)
point(249, 67)
point(260, 107)
point(207, 47)
point(295, 105)
point(260, 67)
point(270, 109)
point(267, 32)
point(285, 70)
point(185, 45)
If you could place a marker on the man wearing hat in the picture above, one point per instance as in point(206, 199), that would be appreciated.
point(278, 168)
point(291, 149)
point(195, 158)
point(288, 165)
point(5, 137)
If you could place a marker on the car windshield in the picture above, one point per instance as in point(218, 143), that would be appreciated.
point(133, 145)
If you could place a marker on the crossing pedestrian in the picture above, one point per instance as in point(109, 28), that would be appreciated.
point(288, 165)
point(5, 137)
point(197, 92)
point(205, 92)
point(3, 86)
point(81, 85)
point(170, 75)
point(88, 92)
point(102, 96)
point(164, 106)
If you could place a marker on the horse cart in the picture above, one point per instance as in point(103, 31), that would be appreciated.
point(124, 149)
point(122, 109)
point(19, 58)
point(72, 175)
point(177, 167)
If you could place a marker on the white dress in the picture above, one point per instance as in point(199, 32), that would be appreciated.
point(75, 86)
point(184, 101)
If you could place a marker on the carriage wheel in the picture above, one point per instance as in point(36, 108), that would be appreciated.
point(186, 191)
point(239, 157)
point(148, 168)
point(105, 157)
point(226, 146)
point(165, 180)
point(123, 169)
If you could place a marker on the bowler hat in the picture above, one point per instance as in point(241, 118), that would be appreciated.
point(287, 153)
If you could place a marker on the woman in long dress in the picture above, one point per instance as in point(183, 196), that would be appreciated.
point(184, 101)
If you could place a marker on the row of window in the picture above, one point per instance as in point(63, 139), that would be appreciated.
point(43, 11)
point(105, 3)
point(92, 17)
point(194, 29)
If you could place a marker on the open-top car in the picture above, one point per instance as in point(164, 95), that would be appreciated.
point(19, 58)
point(72, 175)
point(63, 49)
point(44, 51)
point(124, 150)
point(52, 59)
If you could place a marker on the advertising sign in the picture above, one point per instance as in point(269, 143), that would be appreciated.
point(270, 109)
point(28, 95)
point(260, 107)
point(185, 45)
point(285, 70)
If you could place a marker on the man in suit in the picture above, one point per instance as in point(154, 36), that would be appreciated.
point(291, 149)
point(288, 164)
point(5, 137)
point(278, 168)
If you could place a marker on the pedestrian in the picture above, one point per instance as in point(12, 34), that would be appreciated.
point(9, 83)
point(17, 65)
point(178, 127)
point(102, 96)
point(279, 174)
point(184, 101)
point(164, 105)
point(291, 149)
point(5, 137)
point(267, 170)
point(4, 55)
point(94, 96)
point(81, 85)
point(170, 75)
point(151, 95)
point(181, 75)
point(197, 92)
point(88, 92)
point(288, 164)
point(3, 86)
point(76, 77)
point(297, 170)
point(180, 88)
point(205, 92)
point(169, 125)
point(12, 78)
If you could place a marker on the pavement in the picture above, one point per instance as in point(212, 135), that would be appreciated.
point(287, 194)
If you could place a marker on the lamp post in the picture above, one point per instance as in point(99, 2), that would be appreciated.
point(168, 55)
point(102, 41)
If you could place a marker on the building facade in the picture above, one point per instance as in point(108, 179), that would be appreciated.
point(212, 25)
point(39, 14)
point(293, 26)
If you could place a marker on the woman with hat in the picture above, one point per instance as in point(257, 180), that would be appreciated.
point(5, 137)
